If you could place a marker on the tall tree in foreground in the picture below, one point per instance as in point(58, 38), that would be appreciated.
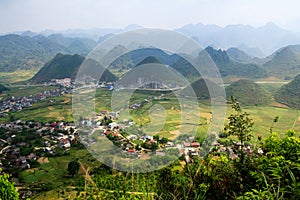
point(239, 125)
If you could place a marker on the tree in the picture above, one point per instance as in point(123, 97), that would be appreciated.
point(73, 167)
point(7, 189)
point(240, 125)
point(275, 120)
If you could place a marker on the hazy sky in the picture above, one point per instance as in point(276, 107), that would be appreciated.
point(37, 15)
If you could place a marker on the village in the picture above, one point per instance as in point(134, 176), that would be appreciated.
point(138, 143)
point(14, 104)
point(23, 143)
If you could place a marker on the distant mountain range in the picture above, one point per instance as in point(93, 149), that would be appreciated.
point(284, 63)
point(30, 50)
point(257, 42)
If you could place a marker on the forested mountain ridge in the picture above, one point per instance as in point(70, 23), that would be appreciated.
point(24, 52)
point(229, 67)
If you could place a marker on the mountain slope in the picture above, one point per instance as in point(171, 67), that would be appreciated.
point(238, 55)
point(200, 89)
point(133, 58)
point(149, 60)
point(24, 52)
point(285, 62)
point(247, 92)
point(66, 66)
point(228, 67)
point(289, 94)
point(21, 52)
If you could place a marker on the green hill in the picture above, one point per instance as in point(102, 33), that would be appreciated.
point(289, 94)
point(239, 56)
point(133, 58)
point(66, 66)
point(229, 67)
point(149, 60)
point(200, 88)
point(248, 93)
point(285, 62)
point(226, 65)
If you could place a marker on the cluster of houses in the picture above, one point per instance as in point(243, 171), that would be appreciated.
point(18, 103)
point(20, 153)
point(137, 144)
point(65, 82)
point(136, 106)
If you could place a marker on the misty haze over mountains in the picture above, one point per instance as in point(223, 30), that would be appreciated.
point(257, 42)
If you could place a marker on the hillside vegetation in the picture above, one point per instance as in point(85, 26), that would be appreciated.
point(203, 89)
point(248, 93)
point(153, 55)
point(289, 94)
point(226, 65)
point(229, 67)
point(66, 66)
point(284, 63)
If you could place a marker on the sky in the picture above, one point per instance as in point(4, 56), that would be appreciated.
point(38, 15)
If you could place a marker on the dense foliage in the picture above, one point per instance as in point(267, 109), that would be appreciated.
point(7, 189)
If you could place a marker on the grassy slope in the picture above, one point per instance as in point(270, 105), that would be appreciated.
point(55, 172)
